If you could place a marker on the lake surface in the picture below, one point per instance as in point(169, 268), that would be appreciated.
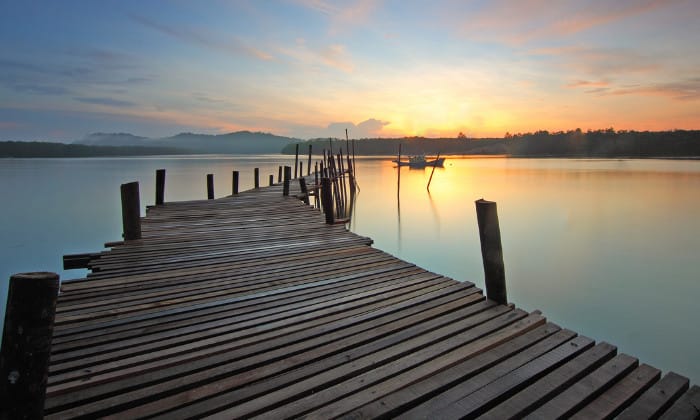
point(608, 248)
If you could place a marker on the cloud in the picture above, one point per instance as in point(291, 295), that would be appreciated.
point(684, 90)
point(5, 125)
point(40, 89)
point(517, 23)
point(233, 46)
point(588, 83)
point(105, 101)
point(366, 129)
point(343, 15)
point(334, 55)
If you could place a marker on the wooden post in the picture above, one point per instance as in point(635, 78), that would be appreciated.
point(433, 171)
point(235, 182)
point(256, 176)
point(210, 186)
point(327, 200)
point(301, 168)
point(279, 174)
point(308, 165)
point(296, 160)
point(160, 186)
point(287, 176)
point(26, 344)
point(491, 251)
point(317, 200)
point(131, 211)
point(272, 179)
point(304, 190)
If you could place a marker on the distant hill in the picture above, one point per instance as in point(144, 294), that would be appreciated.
point(240, 142)
point(35, 149)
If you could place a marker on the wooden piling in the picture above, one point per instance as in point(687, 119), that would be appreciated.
point(131, 211)
point(160, 186)
point(235, 182)
point(296, 160)
point(304, 190)
point(301, 168)
point(210, 186)
point(287, 176)
point(308, 165)
point(279, 174)
point(26, 344)
point(327, 200)
point(433, 171)
point(491, 250)
point(272, 179)
point(256, 178)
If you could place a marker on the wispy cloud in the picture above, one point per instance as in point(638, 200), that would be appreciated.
point(588, 83)
point(334, 55)
point(343, 15)
point(517, 23)
point(40, 89)
point(684, 90)
point(233, 45)
point(8, 125)
point(105, 101)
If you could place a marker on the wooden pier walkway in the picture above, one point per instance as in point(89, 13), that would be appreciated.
point(251, 306)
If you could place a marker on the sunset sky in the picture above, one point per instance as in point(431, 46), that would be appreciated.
point(311, 68)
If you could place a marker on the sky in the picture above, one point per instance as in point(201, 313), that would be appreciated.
point(312, 68)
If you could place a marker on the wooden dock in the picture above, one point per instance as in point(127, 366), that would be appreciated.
point(252, 306)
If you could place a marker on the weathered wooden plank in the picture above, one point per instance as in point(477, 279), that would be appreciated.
point(657, 399)
point(554, 382)
point(586, 390)
point(610, 403)
point(685, 407)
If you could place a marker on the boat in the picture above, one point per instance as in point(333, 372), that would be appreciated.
point(420, 161)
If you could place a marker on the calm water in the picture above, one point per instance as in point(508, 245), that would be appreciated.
point(608, 248)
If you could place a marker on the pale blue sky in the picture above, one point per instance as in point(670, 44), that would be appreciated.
point(306, 68)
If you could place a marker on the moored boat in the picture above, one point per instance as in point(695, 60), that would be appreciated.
point(420, 161)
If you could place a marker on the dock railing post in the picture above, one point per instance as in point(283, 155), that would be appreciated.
point(287, 176)
point(327, 200)
point(131, 211)
point(272, 180)
point(234, 182)
point(160, 186)
point(26, 344)
point(210, 186)
point(256, 176)
point(491, 250)
point(279, 174)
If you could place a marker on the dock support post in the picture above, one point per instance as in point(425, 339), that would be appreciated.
point(256, 176)
point(131, 211)
point(279, 174)
point(287, 176)
point(160, 186)
point(308, 165)
point(301, 168)
point(327, 200)
point(296, 160)
point(210, 186)
point(26, 344)
point(272, 180)
point(491, 250)
point(234, 182)
point(304, 190)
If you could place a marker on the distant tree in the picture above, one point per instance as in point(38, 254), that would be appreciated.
point(461, 136)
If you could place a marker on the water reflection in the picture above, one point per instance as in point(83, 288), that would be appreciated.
point(605, 247)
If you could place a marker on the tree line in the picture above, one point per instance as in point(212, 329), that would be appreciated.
point(35, 149)
point(572, 143)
